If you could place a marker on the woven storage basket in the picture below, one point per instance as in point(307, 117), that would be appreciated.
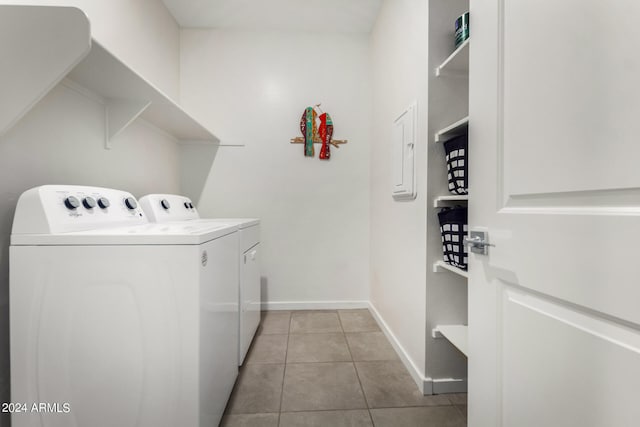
point(453, 229)
point(456, 152)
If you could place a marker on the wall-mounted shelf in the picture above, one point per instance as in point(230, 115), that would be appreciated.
point(440, 266)
point(454, 129)
point(98, 73)
point(443, 201)
point(456, 334)
point(127, 96)
point(457, 63)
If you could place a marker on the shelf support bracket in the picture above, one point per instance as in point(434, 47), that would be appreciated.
point(120, 113)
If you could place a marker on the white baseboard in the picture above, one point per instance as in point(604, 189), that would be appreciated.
point(313, 305)
point(423, 383)
point(449, 385)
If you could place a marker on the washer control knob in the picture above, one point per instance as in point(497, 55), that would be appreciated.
point(104, 203)
point(71, 202)
point(130, 203)
point(165, 204)
point(89, 202)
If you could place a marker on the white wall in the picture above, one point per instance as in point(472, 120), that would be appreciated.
point(61, 139)
point(140, 32)
point(398, 228)
point(251, 88)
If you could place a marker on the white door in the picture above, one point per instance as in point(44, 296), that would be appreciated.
point(554, 308)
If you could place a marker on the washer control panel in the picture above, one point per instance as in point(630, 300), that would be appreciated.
point(168, 207)
point(66, 208)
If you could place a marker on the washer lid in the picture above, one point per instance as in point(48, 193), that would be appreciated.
point(183, 233)
point(240, 222)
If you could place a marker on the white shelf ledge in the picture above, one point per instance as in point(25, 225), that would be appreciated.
point(454, 129)
point(442, 201)
point(457, 63)
point(440, 266)
point(458, 335)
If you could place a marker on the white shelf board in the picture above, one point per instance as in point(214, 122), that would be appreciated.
point(440, 265)
point(457, 63)
point(38, 46)
point(122, 89)
point(442, 201)
point(458, 335)
point(454, 129)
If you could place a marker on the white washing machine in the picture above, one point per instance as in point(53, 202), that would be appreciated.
point(118, 321)
point(169, 208)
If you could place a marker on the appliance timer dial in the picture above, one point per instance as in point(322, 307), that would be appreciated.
point(89, 202)
point(130, 203)
point(104, 203)
point(71, 202)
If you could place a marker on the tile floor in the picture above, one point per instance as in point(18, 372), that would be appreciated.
point(331, 369)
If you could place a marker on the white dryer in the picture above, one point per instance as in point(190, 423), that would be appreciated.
point(129, 323)
point(169, 208)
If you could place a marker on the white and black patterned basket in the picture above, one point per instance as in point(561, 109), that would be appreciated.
point(456, 154)
point(453, 228)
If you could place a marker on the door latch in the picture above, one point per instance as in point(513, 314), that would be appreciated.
point(478, 242)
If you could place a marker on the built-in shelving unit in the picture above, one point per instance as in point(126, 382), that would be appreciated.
point(456, 334)
point(460, 127)
point(443, 201)
point(440, 266)
point(448, 118)
point(457, 62)
point(87, 67)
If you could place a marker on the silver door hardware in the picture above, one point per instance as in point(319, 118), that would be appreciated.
point(478, 242)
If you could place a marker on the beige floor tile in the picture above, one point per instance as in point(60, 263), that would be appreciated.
point(463, 410)
point(318, 348)
point(274, 322)
point(258, 389)
point(387, 384)
point(351, 418)
point(264, 313)
point(315, 322)
point(267, 349)
point(437, 416)
point(250, 420)
point(358, 321)
point(457, 398)
point(319, 386)
point(370, 346)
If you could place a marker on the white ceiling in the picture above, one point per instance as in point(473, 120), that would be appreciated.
point(345, 16)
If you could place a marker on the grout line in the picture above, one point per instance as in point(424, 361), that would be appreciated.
point(284, 372)
point(364, 395)
point(414, 406)
point(462, 414)
point(297, 411)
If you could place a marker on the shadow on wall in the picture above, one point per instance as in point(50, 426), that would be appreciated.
point(264, 294)
point(196, 164)
point(6, 219)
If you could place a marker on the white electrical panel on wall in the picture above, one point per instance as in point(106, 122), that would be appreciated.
point(403, 145)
